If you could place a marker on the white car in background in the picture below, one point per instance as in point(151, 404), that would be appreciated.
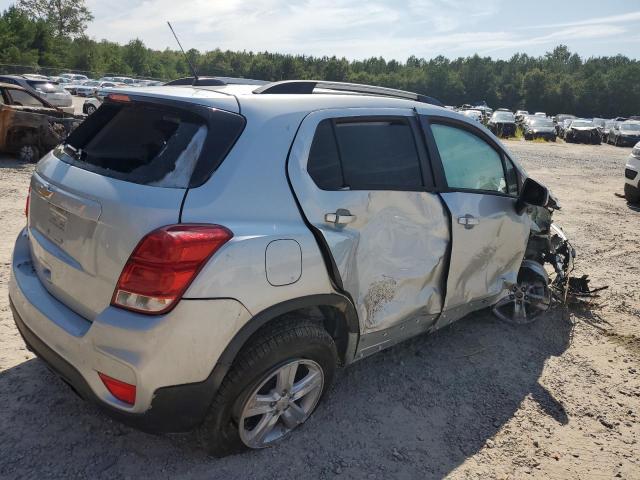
point(92, 103)
point(90, 87)
point(473, 114)
point(632, 177)
point(74, 77)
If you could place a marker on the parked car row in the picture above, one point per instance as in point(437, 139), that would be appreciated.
point(48, 90)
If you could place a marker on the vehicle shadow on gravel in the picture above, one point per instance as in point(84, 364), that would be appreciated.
point(417, 410)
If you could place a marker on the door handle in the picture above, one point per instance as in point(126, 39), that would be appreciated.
point(340, 217)
point(469, 221)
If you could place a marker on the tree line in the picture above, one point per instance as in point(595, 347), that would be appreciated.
point(49, 35)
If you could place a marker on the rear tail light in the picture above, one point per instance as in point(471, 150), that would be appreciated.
point(124, 392)
point(164, 264)
point(118, 97)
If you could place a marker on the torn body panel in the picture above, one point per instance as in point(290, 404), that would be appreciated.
point(39, 127)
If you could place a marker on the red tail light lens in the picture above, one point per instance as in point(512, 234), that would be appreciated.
point(118, 97)
point(122, 391)
point(164, 264)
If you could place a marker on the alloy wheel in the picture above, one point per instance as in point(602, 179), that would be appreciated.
point(280, 403)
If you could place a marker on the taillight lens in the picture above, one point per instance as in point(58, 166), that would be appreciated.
point(164, 264)
point(124, 392)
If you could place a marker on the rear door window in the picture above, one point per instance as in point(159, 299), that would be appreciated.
point(367, 154)
point(153, 144)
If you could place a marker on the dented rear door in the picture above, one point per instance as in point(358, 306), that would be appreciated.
point(363, 182)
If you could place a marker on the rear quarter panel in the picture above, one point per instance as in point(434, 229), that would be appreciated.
point(250, 195)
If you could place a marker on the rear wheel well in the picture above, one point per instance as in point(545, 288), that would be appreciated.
point(329, 317)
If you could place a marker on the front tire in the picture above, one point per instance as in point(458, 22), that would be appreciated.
point(91, 109)
point(631, 194)
point(273, 386)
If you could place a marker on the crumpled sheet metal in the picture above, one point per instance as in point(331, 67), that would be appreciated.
point(393, 265)
point(487, 258)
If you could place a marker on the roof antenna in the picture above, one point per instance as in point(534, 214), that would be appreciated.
point(193, 70)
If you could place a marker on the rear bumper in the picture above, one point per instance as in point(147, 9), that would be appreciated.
point(173, 409)
point(170, 358)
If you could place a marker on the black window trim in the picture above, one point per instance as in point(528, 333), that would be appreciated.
point(424, 163)
point(438, 169)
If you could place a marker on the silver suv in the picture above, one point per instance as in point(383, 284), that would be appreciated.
point(207, 256)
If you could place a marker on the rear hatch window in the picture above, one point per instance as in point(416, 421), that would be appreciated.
point(165, 144)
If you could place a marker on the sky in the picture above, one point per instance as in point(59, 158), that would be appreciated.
point(387, 28)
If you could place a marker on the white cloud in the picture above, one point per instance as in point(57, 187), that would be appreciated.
point(358, 28)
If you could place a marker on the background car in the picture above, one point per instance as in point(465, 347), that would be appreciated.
point(538, 127)
point(632, 176)
point(582, 131)
point(50, 91)
point(502, 123)
point(561, 128)
point(74, 77)
point(90, 105)
point(608, 125)
point(520, 114)
point(30, 132)
point(624, 133)
point(90, 87)
point(474, 114)
point(559, 122)
point(540, 114)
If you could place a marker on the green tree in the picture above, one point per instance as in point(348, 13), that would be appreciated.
point(68, 17)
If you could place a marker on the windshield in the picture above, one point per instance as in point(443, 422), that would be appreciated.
point(581, 123)
point(630, 127)
point(503, 117)
point(541, 122)
point(92, 83)
point(45, 87)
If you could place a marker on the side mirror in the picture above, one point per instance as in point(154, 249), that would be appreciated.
point(533, 193)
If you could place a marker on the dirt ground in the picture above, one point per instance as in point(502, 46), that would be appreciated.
point(481, 399)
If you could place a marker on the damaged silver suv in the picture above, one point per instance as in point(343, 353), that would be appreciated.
point(207, 256)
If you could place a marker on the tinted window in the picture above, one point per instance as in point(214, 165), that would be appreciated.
point(469, 162)
point(324, 162)
point(365, 155)
point(378, 154)
point(20, 97)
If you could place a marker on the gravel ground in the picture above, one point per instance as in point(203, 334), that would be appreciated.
point(481, 399)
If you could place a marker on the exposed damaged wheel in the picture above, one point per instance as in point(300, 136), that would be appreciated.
point(91, 109)
point(29, 153)
point(526, 300)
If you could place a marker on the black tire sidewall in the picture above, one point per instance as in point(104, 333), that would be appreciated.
point(219, 432)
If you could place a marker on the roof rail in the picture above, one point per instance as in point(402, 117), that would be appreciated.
point(308, 86)
point(214, 81)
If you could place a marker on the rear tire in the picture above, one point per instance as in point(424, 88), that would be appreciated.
point(91, 109)
point(293, 342)
point(29, 153)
